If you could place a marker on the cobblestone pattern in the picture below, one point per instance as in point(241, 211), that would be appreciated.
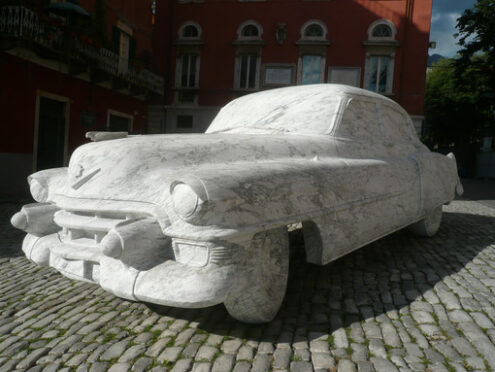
point(400, 304)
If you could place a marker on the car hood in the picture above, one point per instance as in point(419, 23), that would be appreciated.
point(141, 168)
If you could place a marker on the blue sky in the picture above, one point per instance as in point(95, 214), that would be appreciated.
point(443, 21)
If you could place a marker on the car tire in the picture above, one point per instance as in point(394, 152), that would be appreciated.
point(259, 290)
point(429, 225)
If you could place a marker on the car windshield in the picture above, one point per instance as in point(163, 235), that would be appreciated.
point(308, 109)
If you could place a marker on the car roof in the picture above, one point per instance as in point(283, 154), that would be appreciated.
point(329, 89)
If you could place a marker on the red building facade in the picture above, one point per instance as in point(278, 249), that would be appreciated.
point(212, 51)
point(65, 69)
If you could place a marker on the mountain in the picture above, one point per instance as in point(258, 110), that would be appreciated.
point(433, 59)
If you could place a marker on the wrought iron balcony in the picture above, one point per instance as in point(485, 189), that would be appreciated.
point(22, 27)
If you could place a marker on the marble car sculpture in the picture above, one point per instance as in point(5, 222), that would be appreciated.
point(194, 220)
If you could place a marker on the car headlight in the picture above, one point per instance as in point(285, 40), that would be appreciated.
point(38, 191)
point(188, 198)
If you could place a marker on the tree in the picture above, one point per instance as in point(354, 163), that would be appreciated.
point(460, 92)
point(477, 40)
point(477, 33)
point(456, 106)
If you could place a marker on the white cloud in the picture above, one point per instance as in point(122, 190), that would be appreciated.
point(442, 31)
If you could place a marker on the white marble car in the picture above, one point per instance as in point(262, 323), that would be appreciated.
point(194, 220)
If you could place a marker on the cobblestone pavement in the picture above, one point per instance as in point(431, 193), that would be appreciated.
point(400, 304)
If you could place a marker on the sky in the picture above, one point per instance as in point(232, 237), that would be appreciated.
point(443, 21)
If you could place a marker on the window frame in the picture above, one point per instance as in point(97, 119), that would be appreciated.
point(183, 27)
point(243, 25)
point(390, 72)
point(179, 70)
point(238, 70)
point(300, 68)
point(310, 23)
point(121, 114)
point(382, 22)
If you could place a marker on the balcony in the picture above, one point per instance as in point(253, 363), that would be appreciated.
point(21, 27)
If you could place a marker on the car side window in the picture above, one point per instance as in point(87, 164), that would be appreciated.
point(360, 121)
point(395, 125)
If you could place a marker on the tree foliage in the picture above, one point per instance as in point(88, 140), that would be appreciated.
point(457, 105)
point(477, 32)
point(460, 92)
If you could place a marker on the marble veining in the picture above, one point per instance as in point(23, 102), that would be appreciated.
point(200, 219)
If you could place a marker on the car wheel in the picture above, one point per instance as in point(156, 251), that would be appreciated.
point(259, 290)
point(429, 225)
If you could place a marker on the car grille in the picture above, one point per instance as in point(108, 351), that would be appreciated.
point(82, 231)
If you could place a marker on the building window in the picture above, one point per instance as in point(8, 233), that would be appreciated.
point(248, 71)
point(382, 30)
point(184, 122)
point(379, 67)
point(314, 30)
point(312, 69)
point(125, 46)
point(188, 71)
point(118, 121)
point(248, 55)
point(189, 31)
point(380, 56)
point(249, 30)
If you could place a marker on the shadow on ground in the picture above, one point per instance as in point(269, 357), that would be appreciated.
point(384, 276)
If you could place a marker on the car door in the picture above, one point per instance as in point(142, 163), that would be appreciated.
point(380, 186)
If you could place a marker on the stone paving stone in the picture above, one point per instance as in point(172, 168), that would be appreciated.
point(302, 354)
point(132, 353)
point(346, 366)
point(463, 346)
point(231, 346)
point(155, 349)
point(301, 367)
point(360, 352)
point(261, 363)
point(246, 352)
point(99, 367)
point(142, 364)
point(482, 320)
point(365, 366)
point(114, 351)
point(206, 353)
point(182, 365)
point(281, 358)
point(242, 367)
point(201, 367)
point(383, 365)
point(119, 367)
point(170, 354)
point(31, 358)
point(223, 363)
point(321, 360)
point(437, 368)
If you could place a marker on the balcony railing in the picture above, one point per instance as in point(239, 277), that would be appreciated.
point(24, 25)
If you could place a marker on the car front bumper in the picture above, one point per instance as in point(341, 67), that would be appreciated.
point(168, 283)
